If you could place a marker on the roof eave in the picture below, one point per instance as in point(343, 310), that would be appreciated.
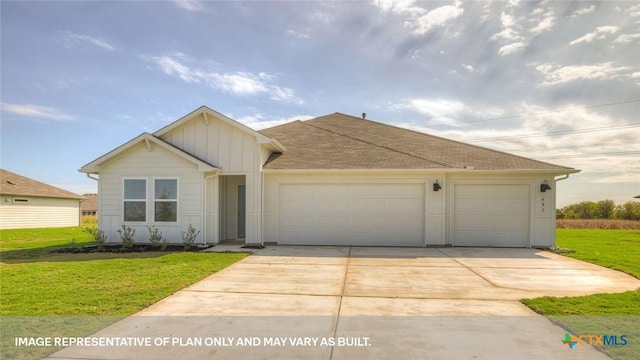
point(94, 166)
point(554, 172)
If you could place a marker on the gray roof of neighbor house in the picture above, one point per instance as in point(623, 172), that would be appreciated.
point(340, 141)
point(14, 184)
point(90, 202)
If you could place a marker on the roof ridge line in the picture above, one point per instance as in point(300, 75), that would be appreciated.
point(376, 145)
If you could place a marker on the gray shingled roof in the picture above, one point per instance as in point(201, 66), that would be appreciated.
point(340, 141)
point(90, 202)
point(14, 184)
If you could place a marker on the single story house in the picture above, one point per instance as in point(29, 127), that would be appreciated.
point(27, 203)
point(89, 206)
point(332, 180)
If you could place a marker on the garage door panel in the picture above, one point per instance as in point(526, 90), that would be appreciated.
point(491, 215)
point(352, 214)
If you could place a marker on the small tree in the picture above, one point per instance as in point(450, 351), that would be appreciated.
point(189, 236)
point(126, 234)
point(155, 236)
point(96, 235)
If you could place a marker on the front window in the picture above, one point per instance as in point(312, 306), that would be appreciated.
point(135, 200)
point(166, 200)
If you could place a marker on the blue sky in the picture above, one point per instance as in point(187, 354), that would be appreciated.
point(557, 81)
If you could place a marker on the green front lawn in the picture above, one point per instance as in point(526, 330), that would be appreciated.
point(601, 313)
point(99, 287)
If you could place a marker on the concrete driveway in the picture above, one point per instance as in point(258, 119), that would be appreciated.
point(374, 303)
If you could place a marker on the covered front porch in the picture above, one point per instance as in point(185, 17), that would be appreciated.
point(229, 219)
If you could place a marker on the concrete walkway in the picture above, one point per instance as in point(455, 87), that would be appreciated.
point(290, 302)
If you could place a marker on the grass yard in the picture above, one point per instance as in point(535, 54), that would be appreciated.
point(601, 313)
point(50, 289)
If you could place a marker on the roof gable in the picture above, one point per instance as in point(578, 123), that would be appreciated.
point(148, 139)
point(14, 184)
point(208, 114)
point(425, 151)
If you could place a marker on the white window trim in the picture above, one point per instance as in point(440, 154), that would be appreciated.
point(145, 200)
point(176, 200)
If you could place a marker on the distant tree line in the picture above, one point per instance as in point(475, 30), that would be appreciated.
point(604, 209)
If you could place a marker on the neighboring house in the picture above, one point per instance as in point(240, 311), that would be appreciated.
point(332, 180)
point(89, 205)
point(27, 203)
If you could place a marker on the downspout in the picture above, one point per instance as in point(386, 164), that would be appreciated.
point(80, 205)
point(561, 178)
point(205, 207)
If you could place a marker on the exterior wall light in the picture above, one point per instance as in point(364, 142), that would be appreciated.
point(436, 186)
point(544, 186)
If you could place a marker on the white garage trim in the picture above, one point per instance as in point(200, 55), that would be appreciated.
point(505, 222)
point(411, 232)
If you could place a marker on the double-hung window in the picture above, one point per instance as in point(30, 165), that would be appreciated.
point(165, 200)
point(135, 200)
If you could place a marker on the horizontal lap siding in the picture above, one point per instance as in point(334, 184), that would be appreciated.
point(138, 162)
point(38, 213)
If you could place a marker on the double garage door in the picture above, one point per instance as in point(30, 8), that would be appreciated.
point(491, 215)
point(393, 214)
point(367, 214)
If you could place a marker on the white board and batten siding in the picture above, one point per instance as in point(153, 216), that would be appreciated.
point(236, 152)
point(140, 162)
point(28, 212)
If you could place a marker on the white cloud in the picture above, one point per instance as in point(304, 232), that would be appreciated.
point(507, 20)
point(420, 20)
point(240, 83)
point(36, 111)
point(583, 11)
point(511, 48)
point(627, 38)
point(237, 83)
point(398, 6)
point(440, 111)
point(191, 5)
point(171, 66)
point(297, 34)
point(544, 25)
point(509, 28)
point(469, 68)
point(599, 33)
point(434, 18)
point(259, 121)
point(554, 75)
point(72, 38)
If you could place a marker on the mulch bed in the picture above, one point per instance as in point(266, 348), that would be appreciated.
point(118, 248)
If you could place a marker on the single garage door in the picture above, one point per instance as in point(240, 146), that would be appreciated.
point(491, 215)
point(377, 214)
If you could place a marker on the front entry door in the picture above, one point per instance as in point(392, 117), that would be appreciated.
point(241, 211)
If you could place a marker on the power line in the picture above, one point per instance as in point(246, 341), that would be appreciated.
point(620, 153)
point(551, 112)
point(574, 146)
point(562, 132)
